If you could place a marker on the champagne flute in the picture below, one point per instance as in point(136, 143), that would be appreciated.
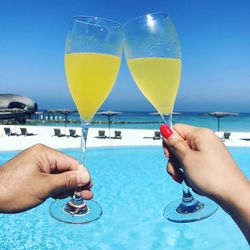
point(153, 55)
point(92, 59)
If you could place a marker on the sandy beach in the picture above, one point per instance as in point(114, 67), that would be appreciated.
point(130, 137)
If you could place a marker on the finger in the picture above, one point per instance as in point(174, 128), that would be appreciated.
point(69, 180)
point(175, 143)
point(67, 193)
point(165, 149)
point(178, 176)
point(63, 195)
point(197, 138)
point(59, 161)
point(89, 185)
point(185, 131)
point(175, 172)
point(87, 194)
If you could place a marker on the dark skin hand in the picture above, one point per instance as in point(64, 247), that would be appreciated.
point(38, 173)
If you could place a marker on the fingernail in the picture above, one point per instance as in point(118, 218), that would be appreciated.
point(166, 131)
point(83, 178)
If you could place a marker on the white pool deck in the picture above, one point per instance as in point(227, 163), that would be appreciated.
point(130, 137)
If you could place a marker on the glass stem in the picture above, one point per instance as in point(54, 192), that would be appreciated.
point(77, 198)
point(187, 197)
point(85, 130)
point(167, 119)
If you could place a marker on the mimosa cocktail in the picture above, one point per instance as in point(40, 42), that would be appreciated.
point(90, 77)
point(92, 60)
point(158, 79)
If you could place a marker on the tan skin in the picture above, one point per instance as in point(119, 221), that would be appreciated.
point(38, 173)
point(210, 170)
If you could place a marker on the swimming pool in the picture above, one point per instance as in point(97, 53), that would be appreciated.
point(132, 187)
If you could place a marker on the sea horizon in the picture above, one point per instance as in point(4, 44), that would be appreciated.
point(149, 111)
point(150, 120)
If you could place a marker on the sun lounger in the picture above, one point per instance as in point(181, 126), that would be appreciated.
point(72, 133)
point(58, 132)
point(245, 139)
point(25, 132)
point(8, 132)
point(101, 134)
point(157, 135)
point(117, 134)
point(226, 136)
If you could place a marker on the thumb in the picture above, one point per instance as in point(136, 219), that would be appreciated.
point(69, 179)
point(175, 143)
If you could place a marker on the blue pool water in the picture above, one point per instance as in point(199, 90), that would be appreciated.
point(133, 189)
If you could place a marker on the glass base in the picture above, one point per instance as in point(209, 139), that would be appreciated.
point(198, 209)
point(65, 211)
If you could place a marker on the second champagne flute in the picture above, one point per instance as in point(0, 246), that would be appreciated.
point(153, 54)
point(92, 59)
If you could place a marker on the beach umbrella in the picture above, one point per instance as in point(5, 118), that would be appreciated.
point(65, 112)
point(220, 115)
point(109, 114)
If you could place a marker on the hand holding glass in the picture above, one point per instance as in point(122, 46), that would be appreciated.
point(153, 55)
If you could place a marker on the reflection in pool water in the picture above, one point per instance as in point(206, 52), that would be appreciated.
point(133, 189)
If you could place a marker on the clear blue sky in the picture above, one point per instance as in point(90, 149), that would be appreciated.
point(214, 37)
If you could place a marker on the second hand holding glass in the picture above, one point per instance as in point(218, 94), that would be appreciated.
point(154, 59)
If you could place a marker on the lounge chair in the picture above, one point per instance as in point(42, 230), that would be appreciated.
point(245, 139)
point(25, 132)
point(157, 135)
point(101, 134)
point(72, 133)
point(58, 133)
point(117, 134)
point(8, 132)
point(226, 136)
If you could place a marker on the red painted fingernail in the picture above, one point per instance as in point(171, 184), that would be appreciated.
point(166, 131)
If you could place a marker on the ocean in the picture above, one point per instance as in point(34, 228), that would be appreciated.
point(145, 120)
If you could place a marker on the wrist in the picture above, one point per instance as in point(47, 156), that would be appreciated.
point(230, 186)
point(2, 192)
point(237, 205)
point(4, 196)
point(237, 198)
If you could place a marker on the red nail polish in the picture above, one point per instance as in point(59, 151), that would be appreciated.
point(166, 131)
